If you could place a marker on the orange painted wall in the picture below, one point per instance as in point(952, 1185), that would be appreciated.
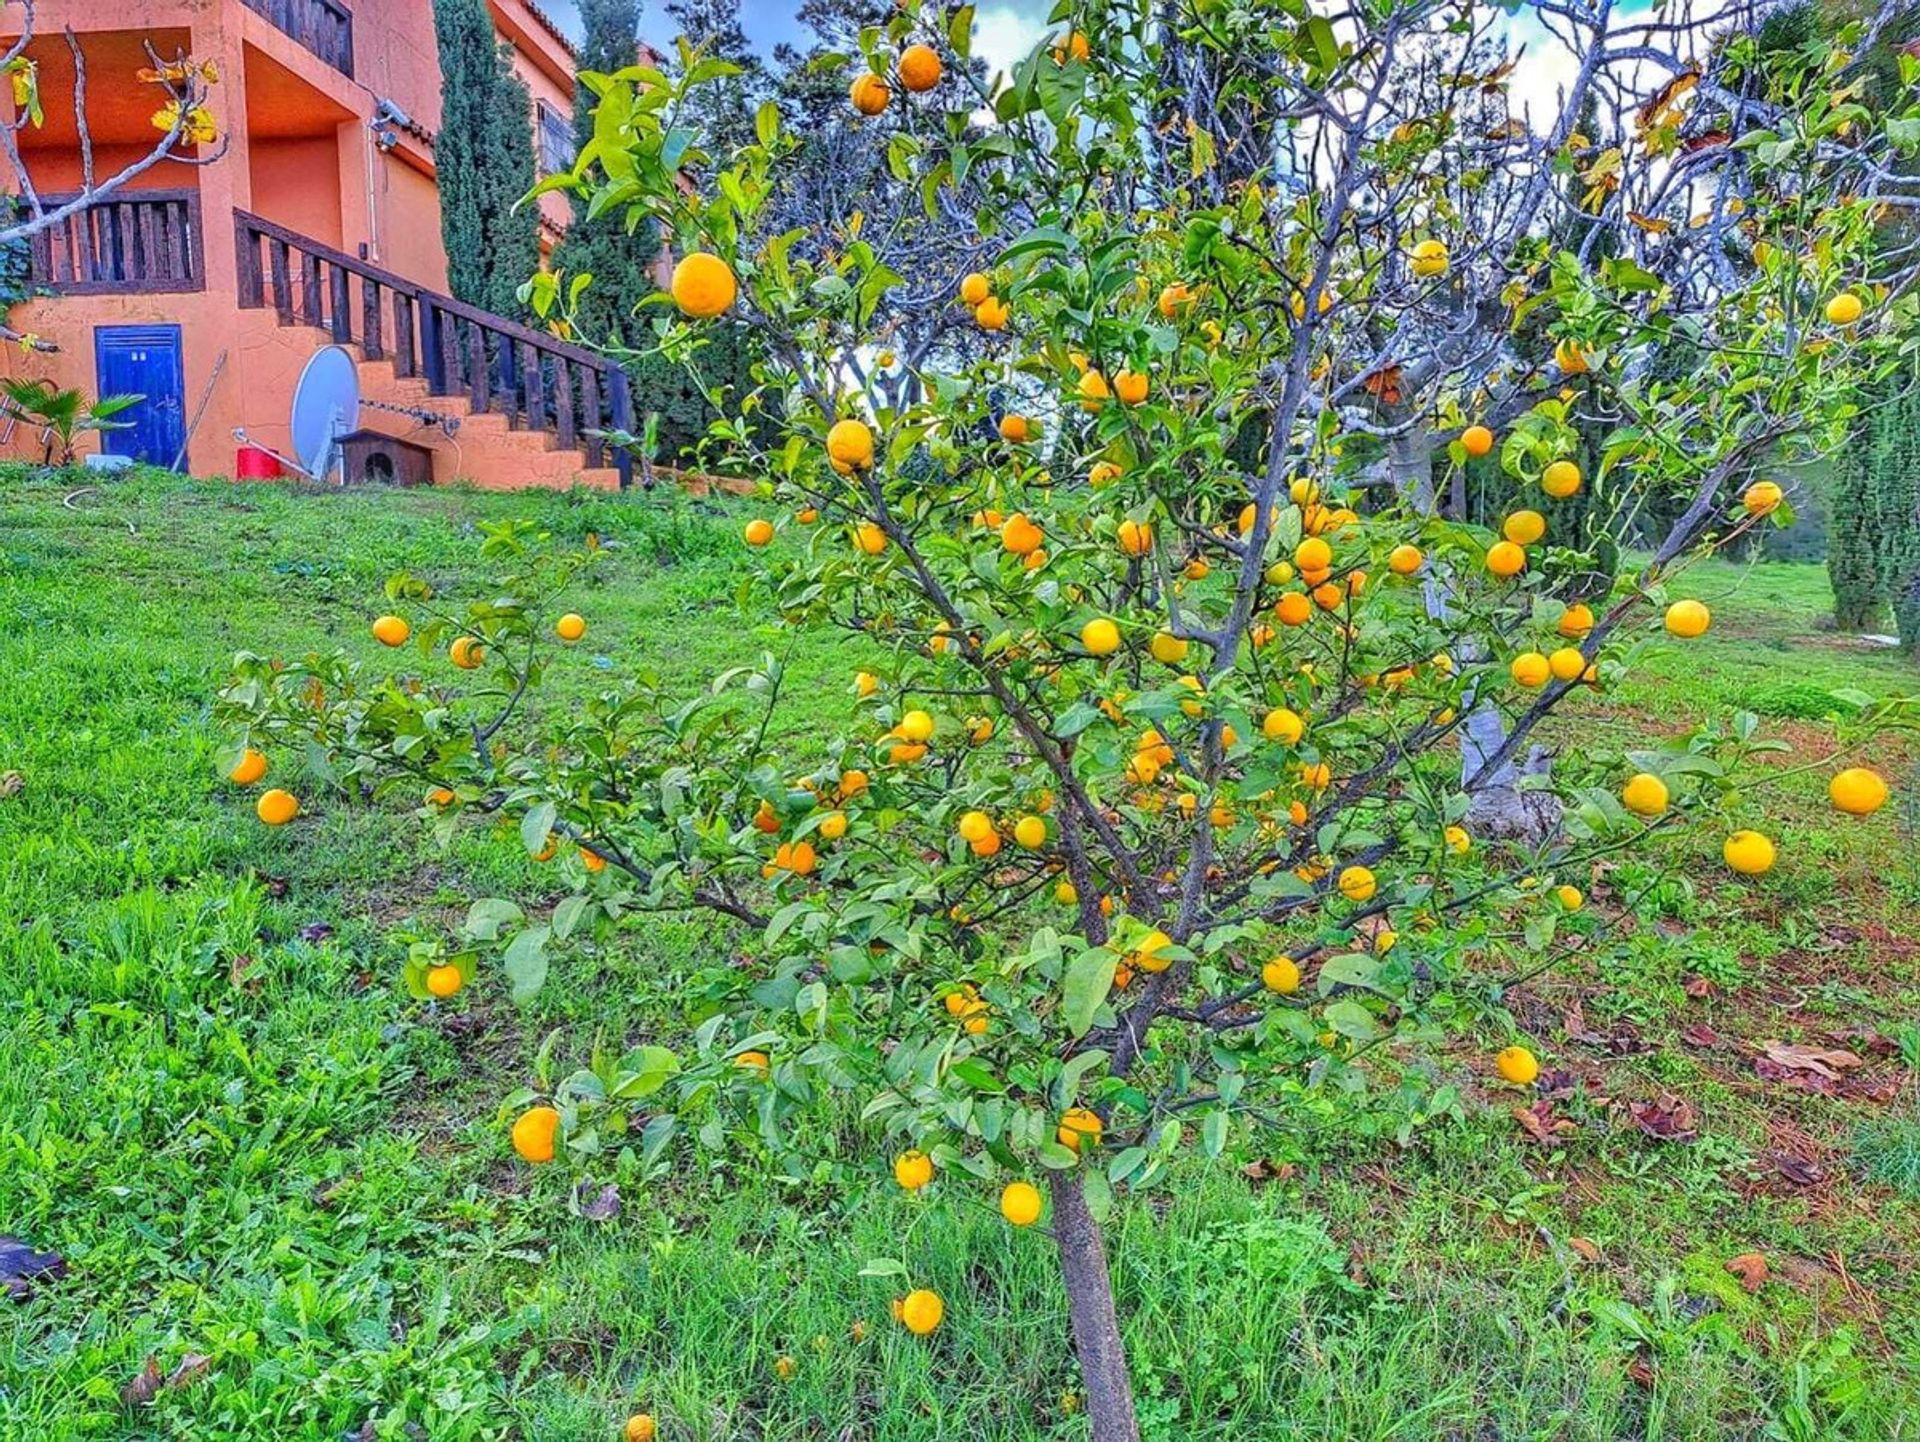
point(287, 180)
point(298, 147)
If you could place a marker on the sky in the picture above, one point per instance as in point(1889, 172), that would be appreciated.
point(1002, 32)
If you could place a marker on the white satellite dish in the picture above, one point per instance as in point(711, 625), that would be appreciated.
point(326, 406)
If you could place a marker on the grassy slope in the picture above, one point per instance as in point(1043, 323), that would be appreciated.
point(216, 1103)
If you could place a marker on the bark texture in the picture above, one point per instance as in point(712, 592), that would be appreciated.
point(1096, 1328)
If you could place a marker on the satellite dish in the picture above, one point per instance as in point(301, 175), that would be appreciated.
point(326, 406)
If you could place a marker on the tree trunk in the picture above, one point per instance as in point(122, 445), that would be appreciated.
point(1096, 1330)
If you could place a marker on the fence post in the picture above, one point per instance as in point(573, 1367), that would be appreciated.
point(620, 401)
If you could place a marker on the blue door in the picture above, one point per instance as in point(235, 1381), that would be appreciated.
point(143, 360)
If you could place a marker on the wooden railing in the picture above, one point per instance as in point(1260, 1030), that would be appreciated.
point(323, 27)
point(135, 241)
point(495, 365)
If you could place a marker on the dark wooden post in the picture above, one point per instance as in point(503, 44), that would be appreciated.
point(620, 401)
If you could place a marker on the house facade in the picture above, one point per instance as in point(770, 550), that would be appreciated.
point(208, 287)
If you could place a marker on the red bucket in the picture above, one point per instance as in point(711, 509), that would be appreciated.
point(250, 463)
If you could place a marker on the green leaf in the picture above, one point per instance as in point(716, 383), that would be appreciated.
point(566, 916)
point(1351, 1019)
point(960, 31)
point(649, 1068)
point(526, 963)
point(884, 1267)
point(489, 916)
point(766, 122)
point(536, 826)
point(1089, 978)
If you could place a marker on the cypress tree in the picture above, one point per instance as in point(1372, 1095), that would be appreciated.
point(1854, 562)
point(1896, 457)
point(484, 158)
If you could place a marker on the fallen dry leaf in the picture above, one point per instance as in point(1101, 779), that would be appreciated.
point(21, 1266)
point(1826, 1061)
point(1798, 1170)
point(316, 932)
point(1750, 1268)
point(1539, 1122)
point(10, 783)
point(1588, 1249)
point(1698, 987)
point(1701, 1035)
point(1262, 1170)
point(149, 1384)
point(1623, 1040)
point(1670, 1119)
point(240, 972)
point(602, 1206)
point(1641, 1370)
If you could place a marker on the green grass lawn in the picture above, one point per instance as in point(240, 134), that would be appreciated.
point(219, 1105)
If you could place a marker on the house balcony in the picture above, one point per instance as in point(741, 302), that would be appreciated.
point(324, 28)
point(135, 242)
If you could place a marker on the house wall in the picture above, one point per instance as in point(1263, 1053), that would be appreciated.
point(299, 150)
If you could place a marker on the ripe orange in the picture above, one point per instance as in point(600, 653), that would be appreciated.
point(1458, 841)
point(466, 652)
point(833, 825)
point(1167, 648)
point(1075, 45)
point(277, 807)
point(1476, 441)
point(991, 314)
point(1687, 619)
point(1404, 560)
point(1030, 832)
point(1570, 358)
point(1858, 791)
point(759, 531)
point(1530, 669)
point(703, 286)
point(1020, 1203)
point(391, 631)
point(1576, 621)
point(1079, 1128)
point(1313, 554)
point(919, 68)
point(913, 1170)
point(1019, 535)
point(1845, 308)
point(869, 538)
point(975, 288)
point(1283, 725)
point(640, 1428)
point(251, 766)
point(921, 1311)
point(1749, 853)
point(1506, 560)
point(1100, 636)
point(1523, 528)
point(1645, 795)
point(1517, 1065)
point(533, 1134)
point(592, 860)
point(916, 725)
point(1428, 259)
point(1560, 480)
point(1281, 975)
point(975, 826)
point(1357, 883)
point(1567, 664)
point(444, 981)
point(752, 1061)
point(850, 442)
point(570, 627)
point(1015, 429)
point(869, 93)
point(1174, 299)
point(1569, 898)
point(1093, 390)
point(1762, 498)
point(1293, 609)
point(1131, 387)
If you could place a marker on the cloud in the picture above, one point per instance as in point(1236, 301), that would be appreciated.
point(1003, 34)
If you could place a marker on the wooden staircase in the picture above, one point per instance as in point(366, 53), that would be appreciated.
point(532, 410)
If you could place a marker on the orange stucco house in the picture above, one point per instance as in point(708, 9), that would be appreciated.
point(211, 286)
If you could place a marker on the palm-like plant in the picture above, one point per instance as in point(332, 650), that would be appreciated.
point(63, 416)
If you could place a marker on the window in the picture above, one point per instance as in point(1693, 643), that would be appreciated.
point(554, 138)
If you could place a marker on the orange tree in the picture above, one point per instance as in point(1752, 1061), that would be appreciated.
point(1185, 791)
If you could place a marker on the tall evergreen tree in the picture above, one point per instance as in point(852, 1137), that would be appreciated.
point(484, 157)
point(1896, 495)
point(602, 247)
point(1853, 558)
